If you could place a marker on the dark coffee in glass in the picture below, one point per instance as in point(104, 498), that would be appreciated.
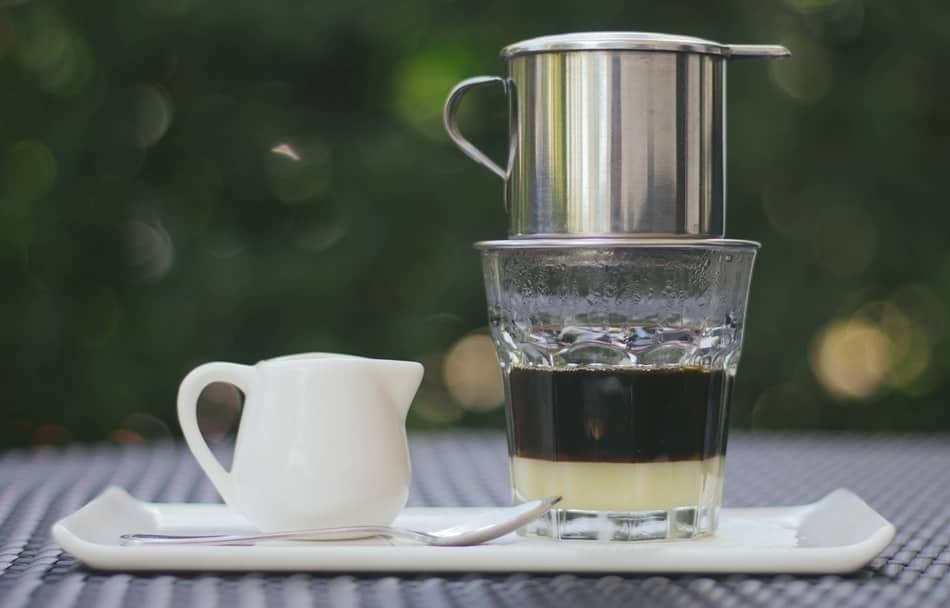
point(619, 415)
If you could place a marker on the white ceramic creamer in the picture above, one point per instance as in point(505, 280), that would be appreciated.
point(321, 442)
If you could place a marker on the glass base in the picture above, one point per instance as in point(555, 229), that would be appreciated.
point(680, 523)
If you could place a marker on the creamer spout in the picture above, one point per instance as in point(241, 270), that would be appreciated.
point(400, 381)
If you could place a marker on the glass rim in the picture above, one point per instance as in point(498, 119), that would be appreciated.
point(625, 242)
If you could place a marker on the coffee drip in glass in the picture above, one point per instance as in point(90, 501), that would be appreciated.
point(616, 306)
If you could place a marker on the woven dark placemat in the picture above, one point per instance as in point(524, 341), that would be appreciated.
point(906, 478)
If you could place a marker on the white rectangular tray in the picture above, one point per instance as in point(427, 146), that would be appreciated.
point(839, 533)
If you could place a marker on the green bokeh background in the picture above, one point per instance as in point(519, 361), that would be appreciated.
point(147, 225)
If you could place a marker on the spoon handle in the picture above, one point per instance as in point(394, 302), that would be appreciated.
point(340, 533)
point(487, 526)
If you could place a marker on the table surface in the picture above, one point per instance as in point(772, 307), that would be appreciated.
point(906, 478)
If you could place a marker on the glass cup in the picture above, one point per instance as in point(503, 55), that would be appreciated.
point(619, 358)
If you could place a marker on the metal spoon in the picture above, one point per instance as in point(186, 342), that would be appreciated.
point(487, 526)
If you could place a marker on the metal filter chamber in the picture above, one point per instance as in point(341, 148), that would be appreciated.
point(613, 134)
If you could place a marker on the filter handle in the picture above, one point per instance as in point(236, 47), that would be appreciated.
point(451, 125)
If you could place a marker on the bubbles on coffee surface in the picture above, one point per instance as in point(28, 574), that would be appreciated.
point(641, 345)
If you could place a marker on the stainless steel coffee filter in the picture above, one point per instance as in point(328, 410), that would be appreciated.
point(613, 134)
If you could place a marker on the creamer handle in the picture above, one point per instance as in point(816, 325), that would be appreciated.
point(241, 376)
